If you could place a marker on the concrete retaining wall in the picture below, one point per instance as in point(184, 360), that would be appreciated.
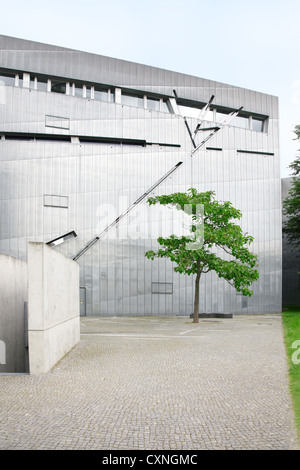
point(13, 294)
point(53, 306)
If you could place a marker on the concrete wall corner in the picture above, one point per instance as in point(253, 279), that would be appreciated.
point(53, 306)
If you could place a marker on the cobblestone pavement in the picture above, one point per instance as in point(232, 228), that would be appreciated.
point(157, 384)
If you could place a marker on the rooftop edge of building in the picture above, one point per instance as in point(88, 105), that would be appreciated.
point(42, 58)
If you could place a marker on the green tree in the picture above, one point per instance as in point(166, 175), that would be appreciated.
point(291, 205)
point(220, 233)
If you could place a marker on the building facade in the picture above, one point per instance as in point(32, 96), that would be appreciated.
point(85, 139)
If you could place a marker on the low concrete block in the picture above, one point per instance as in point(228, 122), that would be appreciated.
point(53, 307)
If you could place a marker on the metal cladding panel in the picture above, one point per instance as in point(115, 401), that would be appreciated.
point(101, 180)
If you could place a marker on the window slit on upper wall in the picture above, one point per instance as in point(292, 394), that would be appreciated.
point(217, 114)
point(139, 98)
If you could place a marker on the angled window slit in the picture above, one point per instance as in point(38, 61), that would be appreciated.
point(255, 152)
point(82, 139)
point(115, 222)
point(62, 239)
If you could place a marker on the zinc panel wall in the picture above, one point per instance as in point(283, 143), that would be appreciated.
point(102, 180)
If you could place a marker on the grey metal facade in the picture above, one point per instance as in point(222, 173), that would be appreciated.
point(84, 136)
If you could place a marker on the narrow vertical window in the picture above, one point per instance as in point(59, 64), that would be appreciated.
point(58, 86)
point(153, 104)
point(69, 89)
point(111, 96)
point(7, 78)
point(257, 124)
point(78, 91)
point(42, 84)
point(33, 83)
point(100, 94)
point(88, 92)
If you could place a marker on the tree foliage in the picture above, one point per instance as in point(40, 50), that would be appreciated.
point(291, 205)
point(221, 234)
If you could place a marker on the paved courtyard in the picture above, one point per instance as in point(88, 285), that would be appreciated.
point(157, 384)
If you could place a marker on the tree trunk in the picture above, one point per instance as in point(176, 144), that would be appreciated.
point(196, 300)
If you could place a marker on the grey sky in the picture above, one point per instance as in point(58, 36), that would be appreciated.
point(248, 44)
